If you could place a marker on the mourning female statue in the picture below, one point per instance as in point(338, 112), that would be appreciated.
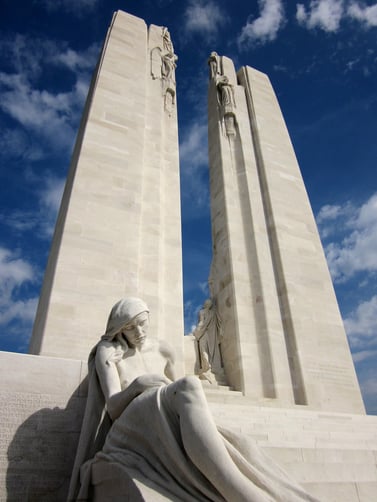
point(208, 334)
point(146, 437)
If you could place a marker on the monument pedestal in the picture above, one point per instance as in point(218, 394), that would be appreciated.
point(118, 234)
point(333, 455)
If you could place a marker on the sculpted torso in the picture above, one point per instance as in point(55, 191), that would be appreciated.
point(131, 363)
point(134, 362)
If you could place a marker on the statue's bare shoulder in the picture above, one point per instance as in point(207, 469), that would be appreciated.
point(167, 352)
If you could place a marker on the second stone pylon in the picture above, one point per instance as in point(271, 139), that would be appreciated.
point(284, 340)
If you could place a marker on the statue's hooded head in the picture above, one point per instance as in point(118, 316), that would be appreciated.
point(122, 313)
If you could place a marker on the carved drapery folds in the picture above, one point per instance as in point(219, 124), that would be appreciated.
point(225, 92)
point(208, 334)
point(163, 65)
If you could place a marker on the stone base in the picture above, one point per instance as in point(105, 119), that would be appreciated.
point(42, 408)
point(332, 455)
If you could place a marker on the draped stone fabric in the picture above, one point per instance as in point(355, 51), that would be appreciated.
point(122, 313)
point(144, 458)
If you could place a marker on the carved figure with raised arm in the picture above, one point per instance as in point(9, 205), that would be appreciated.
point(146, 437)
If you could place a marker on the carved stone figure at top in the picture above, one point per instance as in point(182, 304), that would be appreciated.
point(166, 41)
point(208, 334)
point(214, 66)
point(146, 437)
point(163, 65)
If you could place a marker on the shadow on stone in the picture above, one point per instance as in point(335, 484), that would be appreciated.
point(42, 452)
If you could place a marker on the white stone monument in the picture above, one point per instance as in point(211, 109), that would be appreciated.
point(119, 227)
point(281, 347)
point(284, 338)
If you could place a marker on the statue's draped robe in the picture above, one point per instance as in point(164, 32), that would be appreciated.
point(143, 456)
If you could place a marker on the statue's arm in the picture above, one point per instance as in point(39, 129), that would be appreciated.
point(168, 353)
point(117, 399)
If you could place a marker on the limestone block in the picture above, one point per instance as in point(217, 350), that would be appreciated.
point(43, 401)
point(118, 233)
point(333, 492)
point(367, 491)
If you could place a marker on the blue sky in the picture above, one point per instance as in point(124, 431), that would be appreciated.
point(321, 57)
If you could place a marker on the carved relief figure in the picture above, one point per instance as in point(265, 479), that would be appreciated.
point(148, 437)
point(166, 41)
point(208, 334)
point(228, 104)
point(214, 63)
point(163, 65)
point(168, 67)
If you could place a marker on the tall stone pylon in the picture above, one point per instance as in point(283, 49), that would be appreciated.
point(118, 231)
point(284, 340)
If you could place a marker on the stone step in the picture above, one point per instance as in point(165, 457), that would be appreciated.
point(324, 456)
point(331, 472)
point(343, 492)
point(333, 455)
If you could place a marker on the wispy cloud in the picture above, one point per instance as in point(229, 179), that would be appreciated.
point(48, 115)
point(266, 27)
point(361, 325)
point(15, 272)
point(194, 159)
point(41, 112)
point(365, 14)
point(191, 311)
point(203, 17)
point(324, 14)
point(40, 221)
point(356, 250)
point(331, 218)
point(329, 14)
point(76, 7)
point(17, 144)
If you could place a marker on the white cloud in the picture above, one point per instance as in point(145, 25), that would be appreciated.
point(364, 14)
point(51, 195)
point(265, 28)
point(324, 14)
point(193, 148)
point(191, 316)
point(193, 154)
point(43, 113)
point(364, 355)
point(78, 61)
point(361, 324)
point(203, 17)
point(356, 251)
point(13, 270)
point(334, 219)
point(14, 273)
point(49, 115)
point(21, 310)
point(328, 212)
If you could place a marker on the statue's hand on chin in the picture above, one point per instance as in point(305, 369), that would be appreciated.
point(150, 380)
